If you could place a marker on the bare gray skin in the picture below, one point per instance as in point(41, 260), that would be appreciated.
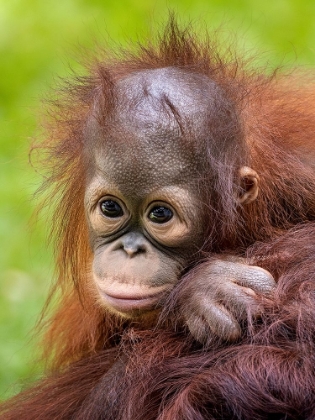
point(145, 212)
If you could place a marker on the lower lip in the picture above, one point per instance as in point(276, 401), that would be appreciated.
point(123, 304)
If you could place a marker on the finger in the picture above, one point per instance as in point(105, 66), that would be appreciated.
point(255, 278)
point(221, 322)
point(251, 276)
point(240, 301)
point(197, 328)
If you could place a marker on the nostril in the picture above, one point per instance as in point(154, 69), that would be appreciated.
point(134, 250)
point(132, 244)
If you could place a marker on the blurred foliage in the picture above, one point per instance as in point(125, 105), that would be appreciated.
point(42, 39)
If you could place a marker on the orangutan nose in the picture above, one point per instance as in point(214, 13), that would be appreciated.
point(134, 243)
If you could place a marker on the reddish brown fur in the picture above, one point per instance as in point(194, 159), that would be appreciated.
point(269, 374)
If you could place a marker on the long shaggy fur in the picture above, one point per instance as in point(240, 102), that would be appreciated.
point(104, 368)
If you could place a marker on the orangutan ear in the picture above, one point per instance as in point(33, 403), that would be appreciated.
point(249, 185)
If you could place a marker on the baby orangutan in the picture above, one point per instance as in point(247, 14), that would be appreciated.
point(185, 234)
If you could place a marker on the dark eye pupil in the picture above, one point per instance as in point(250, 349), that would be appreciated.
point(111, 208)
point(160, 214)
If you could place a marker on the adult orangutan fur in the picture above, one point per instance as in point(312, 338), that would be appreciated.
point(105, 367)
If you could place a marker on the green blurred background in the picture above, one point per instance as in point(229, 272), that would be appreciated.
point(40, 40)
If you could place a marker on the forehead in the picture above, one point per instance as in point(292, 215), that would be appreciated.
point(142, 161)
point(156, 135)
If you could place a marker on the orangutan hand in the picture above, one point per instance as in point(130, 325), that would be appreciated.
point(220, 295)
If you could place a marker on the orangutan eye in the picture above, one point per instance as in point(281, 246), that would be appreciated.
point(160, 214)
point(111, 208)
